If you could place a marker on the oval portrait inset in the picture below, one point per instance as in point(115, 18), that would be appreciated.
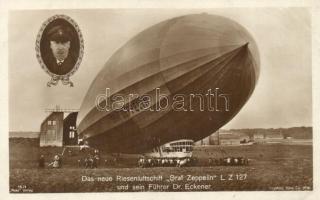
point(59, 48)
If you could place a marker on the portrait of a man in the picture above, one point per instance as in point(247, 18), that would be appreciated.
point(60, 61)
point(60, 48)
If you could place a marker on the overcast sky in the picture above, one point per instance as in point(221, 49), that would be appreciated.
point(282, 97)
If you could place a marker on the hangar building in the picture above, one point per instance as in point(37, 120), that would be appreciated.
point(56, 130)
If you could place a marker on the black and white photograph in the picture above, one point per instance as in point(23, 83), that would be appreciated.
point(59, 48)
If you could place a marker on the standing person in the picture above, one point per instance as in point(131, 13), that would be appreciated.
point(55, 163)
point(86, 162)
point(96, 152)
point(90, 161)
point(41, 161)
point(96, 160)
point(59, 160)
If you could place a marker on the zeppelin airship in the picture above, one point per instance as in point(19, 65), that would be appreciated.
point(183, 78)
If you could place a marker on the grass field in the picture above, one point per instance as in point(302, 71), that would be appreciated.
point(271, 167)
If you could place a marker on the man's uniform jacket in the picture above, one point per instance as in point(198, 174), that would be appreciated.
point(61, 69)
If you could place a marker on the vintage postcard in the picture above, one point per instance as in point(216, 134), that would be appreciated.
point(119, 100)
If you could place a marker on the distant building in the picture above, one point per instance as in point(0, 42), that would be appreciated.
point(230, 142)
point(258, 136)
point(57, 131)
point(224, 138)
point(205, 141)
point(51, 130)
point(23, 134)
point(233, 139)
point(274, 136)
point(70, 135)
point(209, 140)
point(214, 138)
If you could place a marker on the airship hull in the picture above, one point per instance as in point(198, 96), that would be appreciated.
point(186, 57)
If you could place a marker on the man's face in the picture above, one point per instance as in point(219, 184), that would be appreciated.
point(60, 50)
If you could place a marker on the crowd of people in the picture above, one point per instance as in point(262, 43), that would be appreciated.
point(92, 160)
point(233, 161)
point(165, 162)
point(89, 161)
point(113, 161)
point(55, 163)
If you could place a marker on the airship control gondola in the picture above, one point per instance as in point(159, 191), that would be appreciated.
point(184, 56)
